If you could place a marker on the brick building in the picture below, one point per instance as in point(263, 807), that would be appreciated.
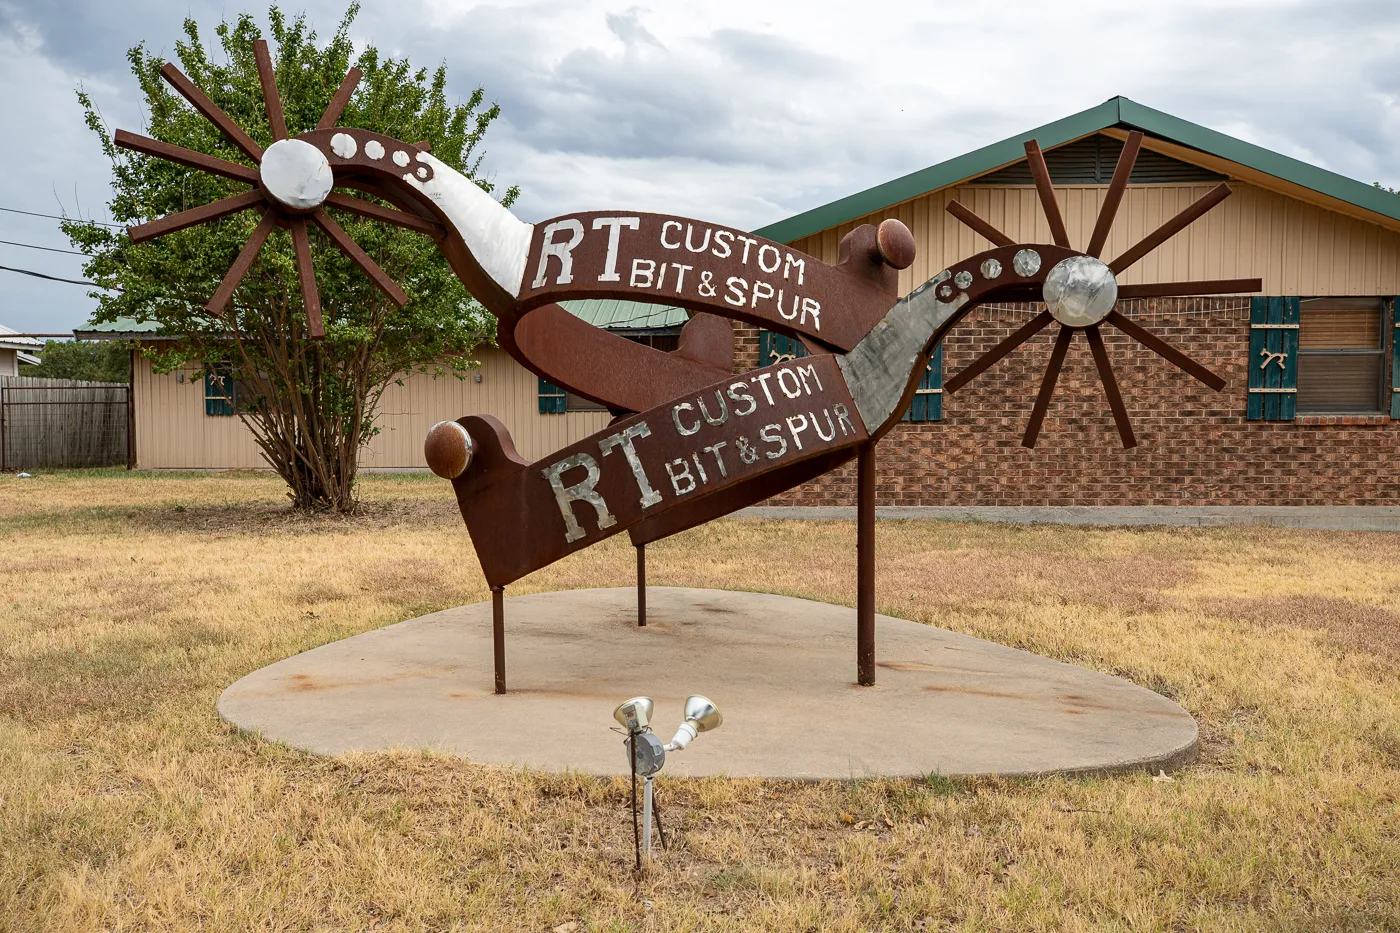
point(1305, 418)
point(1312, 362)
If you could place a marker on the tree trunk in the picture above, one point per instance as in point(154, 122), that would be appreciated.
point(311, 444)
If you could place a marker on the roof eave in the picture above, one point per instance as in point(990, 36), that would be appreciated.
point(1286, 168)
point(1118, 111)
point(969, 165)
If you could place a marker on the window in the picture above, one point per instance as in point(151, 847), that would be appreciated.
point(554, 400)
point(1341, 355)
point(665, 341)
point(574, 402)
point(220, 390)
point(778, 348)
point(928, 398)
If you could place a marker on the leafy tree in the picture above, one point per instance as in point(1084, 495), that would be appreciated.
point(95, 361)
point(310, 404)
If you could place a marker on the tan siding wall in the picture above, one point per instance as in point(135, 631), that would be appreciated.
point(507, 390)
point(9, 362)
point(172, 431)
point(1296, 248)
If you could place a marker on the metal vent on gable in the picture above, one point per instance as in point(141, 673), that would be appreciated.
point(1090, 161)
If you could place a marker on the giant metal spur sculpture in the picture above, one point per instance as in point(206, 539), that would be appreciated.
point(693, 440)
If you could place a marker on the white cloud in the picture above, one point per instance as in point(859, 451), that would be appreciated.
point(745, 112)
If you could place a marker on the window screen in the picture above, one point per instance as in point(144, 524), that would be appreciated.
point(1341, 347)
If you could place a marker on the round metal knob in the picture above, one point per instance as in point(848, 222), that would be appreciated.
point(1080, 291)
point(296, 174)
point(895, 243)
point(448, 449)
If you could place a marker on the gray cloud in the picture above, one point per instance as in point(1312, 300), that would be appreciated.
point(756, 53)
point(628, 27)
point(739, 112)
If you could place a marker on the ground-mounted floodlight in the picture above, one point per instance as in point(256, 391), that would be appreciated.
point(700, 716)
point(635, 714)
point(647, 756)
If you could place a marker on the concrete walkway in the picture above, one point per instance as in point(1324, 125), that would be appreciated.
point(780, 669)
point(1328, 517)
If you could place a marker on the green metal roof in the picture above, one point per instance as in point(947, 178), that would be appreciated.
point(1116, 112)
point(123, 328)
point(610, 314)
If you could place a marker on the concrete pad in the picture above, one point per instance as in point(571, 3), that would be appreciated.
point(781, 670)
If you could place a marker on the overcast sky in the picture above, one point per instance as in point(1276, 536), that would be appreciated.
point(738, 111)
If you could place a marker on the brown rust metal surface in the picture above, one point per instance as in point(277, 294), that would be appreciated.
point(865, 566)
point(702, 442)
point(525, 516)
point(727, 501)
point(274, 212)
point(1102, 226)
point(519, 522)
point(663, 259)
point(619, 373)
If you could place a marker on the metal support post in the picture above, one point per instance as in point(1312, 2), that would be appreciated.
point(131, 409)
point(865, 566)
point(498, 634)
point(646, 818)
point(641, 584)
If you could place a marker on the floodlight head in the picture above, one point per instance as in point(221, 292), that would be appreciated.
point(703, 713)
point(635, 714)
point(700, 716)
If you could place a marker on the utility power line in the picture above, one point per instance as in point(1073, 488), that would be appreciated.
point(55, 278)
point(51, 249)
point(100, 223)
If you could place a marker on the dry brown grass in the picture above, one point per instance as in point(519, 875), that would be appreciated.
point(130, 602)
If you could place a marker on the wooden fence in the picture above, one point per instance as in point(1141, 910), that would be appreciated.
point(63, 423)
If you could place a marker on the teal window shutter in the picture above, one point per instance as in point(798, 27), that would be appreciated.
point(553, 400)
point(927, 404)
point(1395, 358)
point(778, 348)
point(218, 390)
point(928, 400)
point(1273, 358)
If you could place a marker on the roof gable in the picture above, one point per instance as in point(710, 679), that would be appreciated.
point(1117, 115)
point(1090, 160)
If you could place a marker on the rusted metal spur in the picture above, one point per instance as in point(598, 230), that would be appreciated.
point(697, 441)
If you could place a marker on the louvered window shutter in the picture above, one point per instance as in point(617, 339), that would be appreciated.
point(218, 390)
point(1395, 358)
point(1273, 359)
point(778, 348)
point(928, 401)
point(553, 400)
